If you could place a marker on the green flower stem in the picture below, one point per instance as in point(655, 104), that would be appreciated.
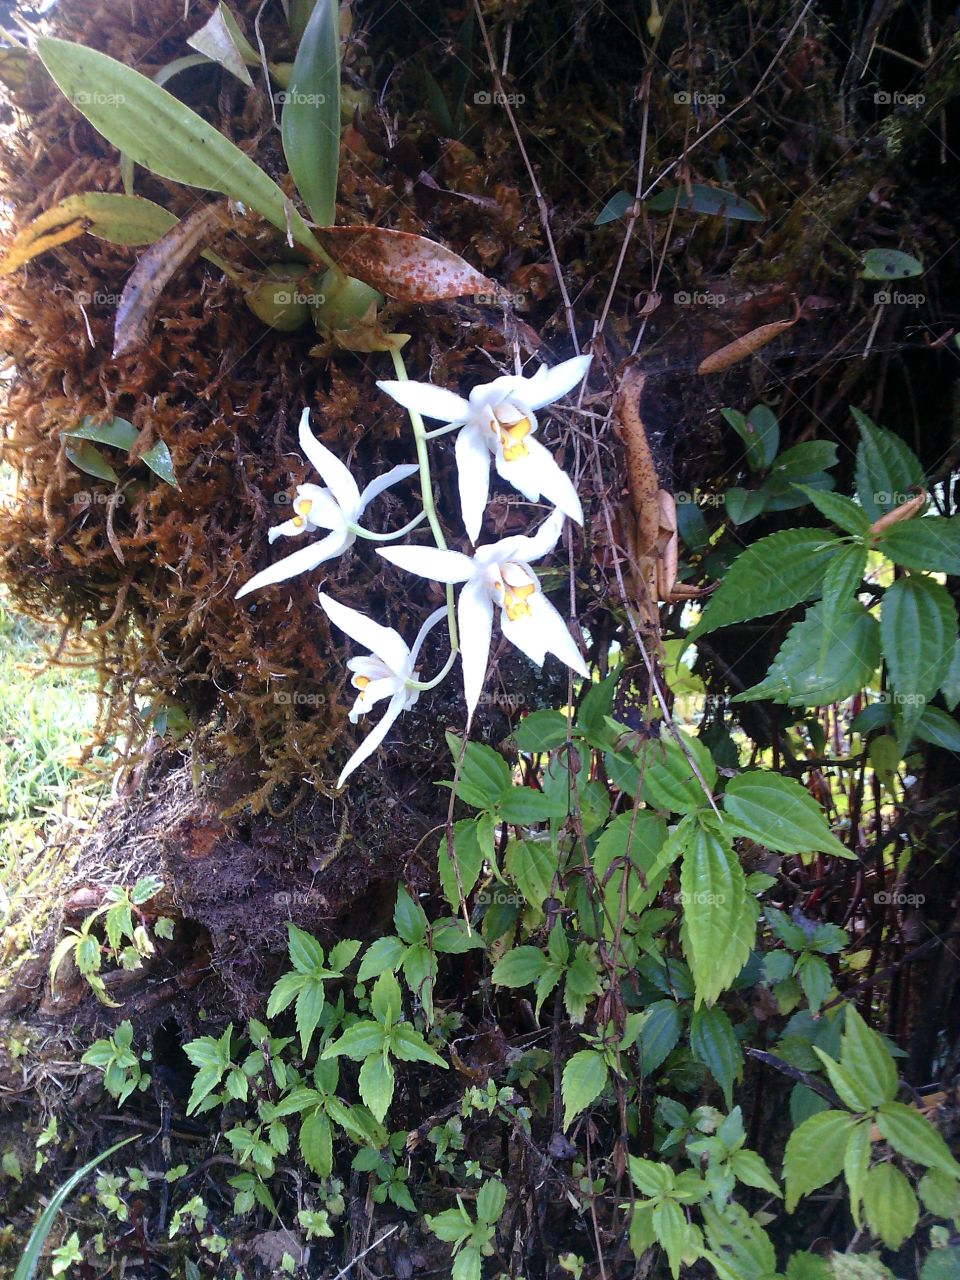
point(426, 492)
point(387, 537)
point(442, 431)
point(423, 685)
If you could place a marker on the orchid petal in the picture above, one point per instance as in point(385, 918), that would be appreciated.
point(302, 561)
point(543, 631)
point(389, 478)
point(548, 385)
point(335, 474)
point(430, 562)
point(398, 703)
point(475, 620)
point(428, 400)
point(372, 693)
point(473, 476)
point(523, 548)
point(385, 642)
point(289, 529)
point(324, 513)
point(537, 474)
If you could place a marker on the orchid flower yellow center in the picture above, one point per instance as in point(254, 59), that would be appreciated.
point(514, 589)
point(511, 433)
point(360, 682)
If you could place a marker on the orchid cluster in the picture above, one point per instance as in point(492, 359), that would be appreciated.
point(496, 423)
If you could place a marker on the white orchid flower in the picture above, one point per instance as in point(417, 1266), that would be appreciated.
point(386, 673)
point(498, 574)
point(499, 419)
point(337, 508)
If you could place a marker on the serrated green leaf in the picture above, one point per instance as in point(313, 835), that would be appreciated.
point(932, 543)
point(541, 731)
point(714, 1043)
point(408, 1045)
point(472, 845)
point(863, 1053)
point(285, 991)
point(915, 1137)
point(887, 471)
point(523, 805)
point(658, 1032)
point(719, 917)
point(634, 841)
point(814, 1153)
point(841, 582)
point(752, 1170)
point(845, 1082)
point(856, 1162)
point(890, 1205)
point(309, 1007)
point(740, 1241)
point(161, 134)
point(484, 774)
point(773, 574)
point(491, 1199)
point(359, 1041)
point(533, 866)
point(843, 512)
point(584, 1079)
point(409, 918)
point(668, 780)
point(376, 1081)
point(918, 631)
point(938, 728)
point(385, 953)
point(815, 978)
point(777, 812)
point(316, 1143)
point(743, 505)
point(950, 686)
point(818, 664)
point(306, 954)
point(520, 967)
point(940, 1194)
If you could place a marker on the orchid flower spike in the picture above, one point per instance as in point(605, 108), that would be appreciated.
point(386, 673)
point(499, 419)
point(337, 508)
point(498, 574)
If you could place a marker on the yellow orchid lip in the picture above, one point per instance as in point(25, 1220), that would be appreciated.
point(515, 600)
point(512, 437)
point(360, 682)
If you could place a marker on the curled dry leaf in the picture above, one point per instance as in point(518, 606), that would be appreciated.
point(906, 511)
point(731, 354)
point(151, 274)
point(405, 266)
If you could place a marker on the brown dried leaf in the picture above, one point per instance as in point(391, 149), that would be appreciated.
point(151, 274)
point(403, 265)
